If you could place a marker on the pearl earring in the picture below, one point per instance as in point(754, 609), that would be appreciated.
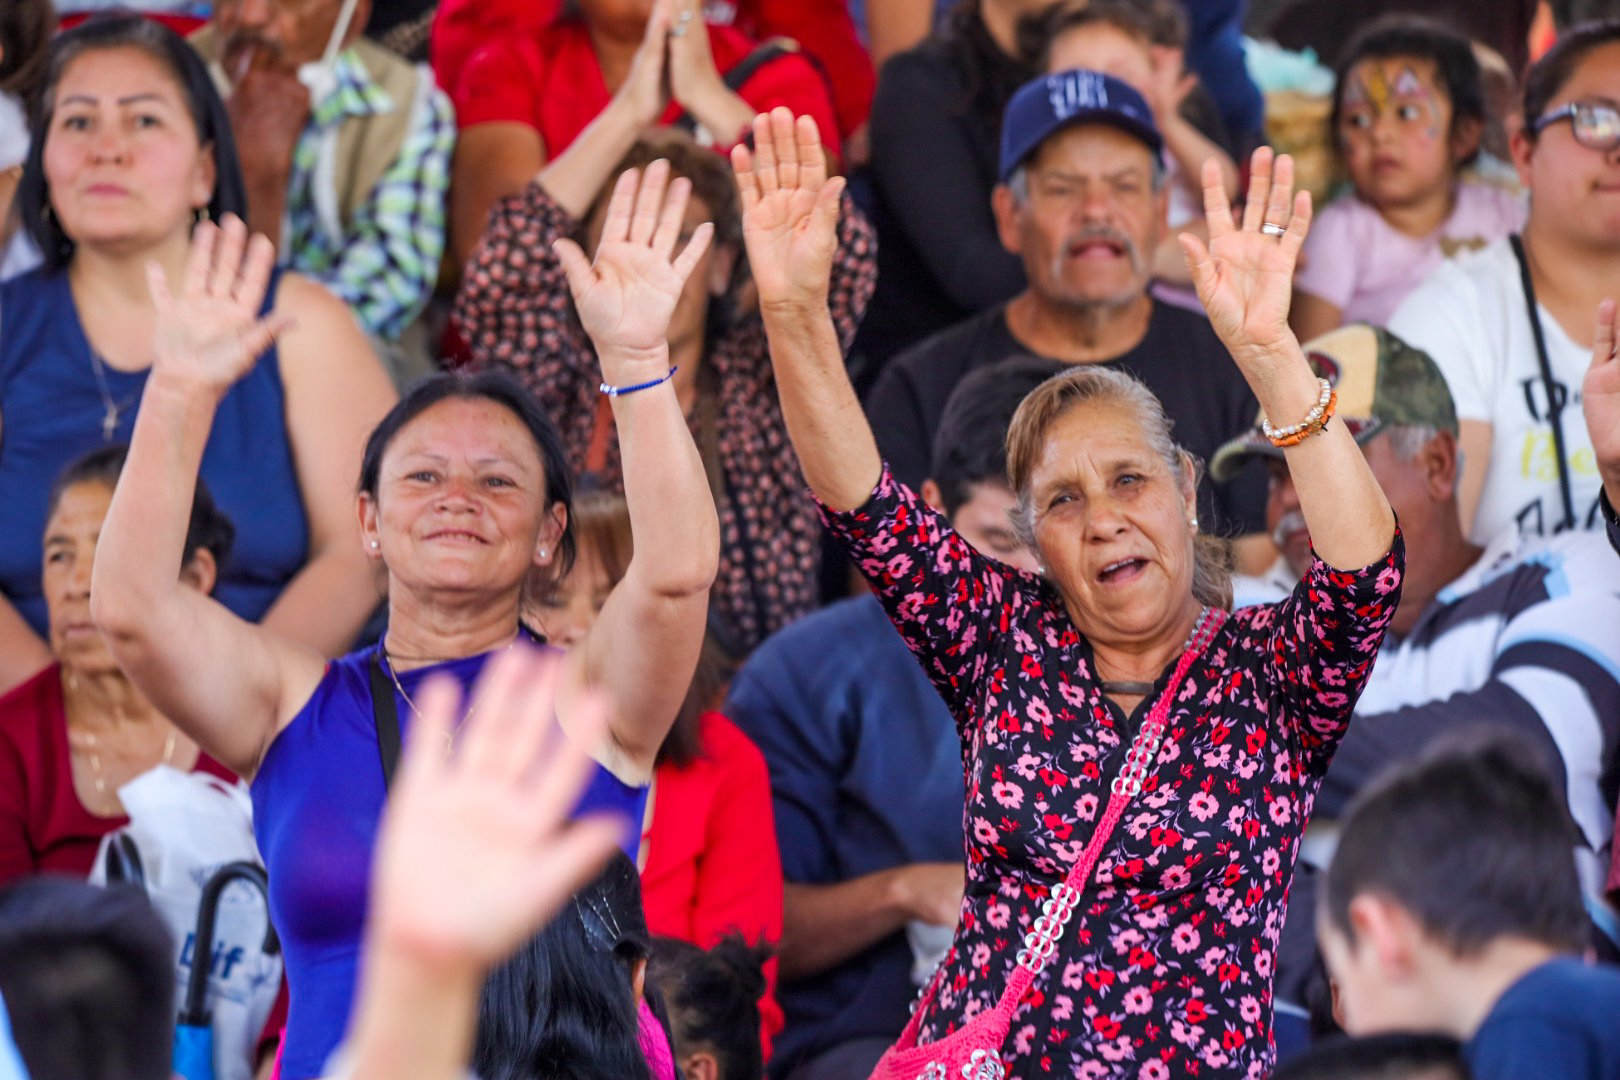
point(375, 544)
point(542, 553)
point(1192, 523)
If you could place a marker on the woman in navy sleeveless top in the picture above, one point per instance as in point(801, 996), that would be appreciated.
point(116, 180)
point(464, 495)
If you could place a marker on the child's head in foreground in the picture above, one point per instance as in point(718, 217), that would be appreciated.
point(1446, 861)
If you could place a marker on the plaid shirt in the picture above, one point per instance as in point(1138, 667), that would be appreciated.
point(384, 262)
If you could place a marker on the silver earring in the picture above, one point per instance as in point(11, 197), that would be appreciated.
point(542, 553)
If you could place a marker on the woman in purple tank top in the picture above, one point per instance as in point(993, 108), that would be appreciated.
point(463, 491)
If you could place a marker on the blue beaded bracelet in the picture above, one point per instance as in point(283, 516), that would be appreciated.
point(619, 391)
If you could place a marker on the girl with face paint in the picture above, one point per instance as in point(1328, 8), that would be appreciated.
point(1408, 116)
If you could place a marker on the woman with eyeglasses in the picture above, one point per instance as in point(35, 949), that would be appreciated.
point(1514, 327)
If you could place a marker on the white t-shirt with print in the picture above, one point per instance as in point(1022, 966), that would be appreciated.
point(1470, 316)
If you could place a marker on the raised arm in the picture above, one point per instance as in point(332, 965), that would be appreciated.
point(226, 683)
point(644, 646)
point(1245, 279)
point(790, 227)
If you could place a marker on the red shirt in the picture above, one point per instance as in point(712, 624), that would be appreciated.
point(43, 825)
point(712, 861)
point(552, 82)
point(822, 27)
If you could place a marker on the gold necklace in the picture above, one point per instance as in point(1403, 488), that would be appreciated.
point(450, 735)
point(92, 747)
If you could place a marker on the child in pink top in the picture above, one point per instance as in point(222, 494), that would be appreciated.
point(1408, 114)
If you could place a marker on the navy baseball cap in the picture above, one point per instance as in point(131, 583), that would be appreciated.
point(1045, 105)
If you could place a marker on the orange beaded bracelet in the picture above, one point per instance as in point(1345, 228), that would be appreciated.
point(1316, 424)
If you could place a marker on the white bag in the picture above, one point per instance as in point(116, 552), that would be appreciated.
point(185, 826)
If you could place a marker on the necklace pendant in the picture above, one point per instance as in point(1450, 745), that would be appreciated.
point(109, 422)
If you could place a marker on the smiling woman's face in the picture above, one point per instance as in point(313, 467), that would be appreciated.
point(460, 500)
point(1111, 525)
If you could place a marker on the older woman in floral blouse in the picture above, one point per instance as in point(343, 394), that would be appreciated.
point(1164, 966)
point(515, 309)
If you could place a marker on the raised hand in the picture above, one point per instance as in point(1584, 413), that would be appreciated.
point(625, 298)
point(475, 852)
point(790, 209)
point(1600, 395)
point(643, 90)
point(1245, 276)
point(211, 333)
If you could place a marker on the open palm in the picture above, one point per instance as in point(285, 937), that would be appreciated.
point(1245, 277)
point(790, 209)
point(626, 296)
point(211, 332)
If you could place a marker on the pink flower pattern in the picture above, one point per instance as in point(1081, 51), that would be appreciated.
point(1169, 957)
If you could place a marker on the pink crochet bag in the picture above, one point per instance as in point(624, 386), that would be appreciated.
point(973, 1052)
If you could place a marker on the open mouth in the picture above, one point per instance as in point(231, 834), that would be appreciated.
point(457, 536)
point(1121, 571)
point(1096, 248)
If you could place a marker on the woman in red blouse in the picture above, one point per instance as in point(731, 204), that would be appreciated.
point(630, 64)
point(516, 312)
point(1139, 762)
point(72, 735)
point(710, 863)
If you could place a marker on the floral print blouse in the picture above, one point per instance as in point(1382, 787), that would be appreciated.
point(516, 312)
point(1166, 968)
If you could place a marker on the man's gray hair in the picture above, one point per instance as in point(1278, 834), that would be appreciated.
point(1408, 440)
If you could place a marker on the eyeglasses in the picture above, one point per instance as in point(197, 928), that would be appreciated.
point(1596, 127)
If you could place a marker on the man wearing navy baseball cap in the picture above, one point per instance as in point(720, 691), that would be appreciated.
point(1082, 201)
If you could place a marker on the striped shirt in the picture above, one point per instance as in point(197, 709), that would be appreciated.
point(384, 262)
point(1528, 638)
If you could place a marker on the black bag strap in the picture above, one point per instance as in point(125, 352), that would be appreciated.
point(385, 714)
point(1555, 404)
point(762, 54)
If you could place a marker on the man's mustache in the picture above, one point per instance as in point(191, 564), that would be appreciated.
point(1291, 523)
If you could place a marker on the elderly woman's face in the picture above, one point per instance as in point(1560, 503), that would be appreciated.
point(70, 552)
point(1111, 525)
point(71, 535)
point(461, 501)
point(122, 157)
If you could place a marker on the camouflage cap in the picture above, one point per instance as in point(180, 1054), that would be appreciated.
point(1381, 381)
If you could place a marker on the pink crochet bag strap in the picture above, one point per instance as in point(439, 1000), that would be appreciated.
point(1040, 943)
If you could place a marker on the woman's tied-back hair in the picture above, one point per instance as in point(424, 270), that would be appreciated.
point(1049, 402)
point(208, 528)
point(503, 390)
point(126, 31)
point(1547, 77)
point(563, 1006)
point(713, 1000)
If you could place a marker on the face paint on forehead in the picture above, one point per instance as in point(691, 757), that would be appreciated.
point(1408, 84)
